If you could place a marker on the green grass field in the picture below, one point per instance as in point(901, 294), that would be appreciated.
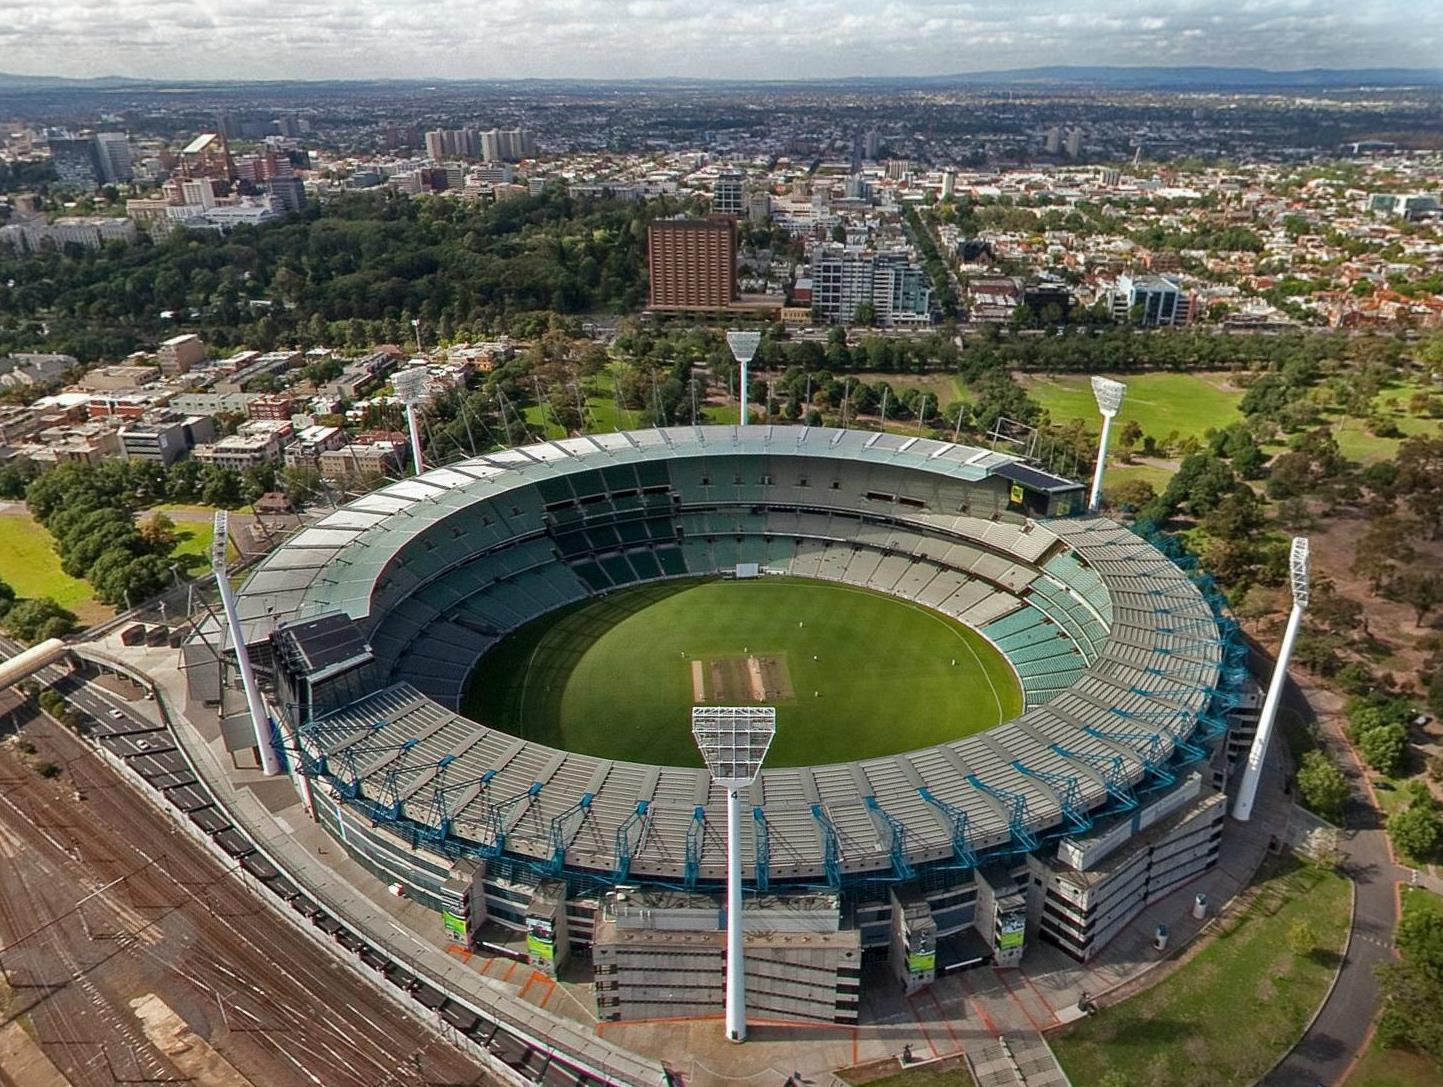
point(1223, 1018)
point(616, 677)
point(1190, 404)
point(29, 564)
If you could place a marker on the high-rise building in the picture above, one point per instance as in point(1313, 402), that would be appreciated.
point(76, 161)
point(727, 195)
point(871, 145)
point(845, 278)
point(1156, 300)
point(289, 192)
point(1054, 140)
point(436, 145)
point(112, 154)
point(898, 169)
point(949, 184)
point(1074, 143)
point(692, 263)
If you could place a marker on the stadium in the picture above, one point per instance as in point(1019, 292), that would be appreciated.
point(469, 666)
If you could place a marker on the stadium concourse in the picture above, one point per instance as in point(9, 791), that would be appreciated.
point(1060, 825)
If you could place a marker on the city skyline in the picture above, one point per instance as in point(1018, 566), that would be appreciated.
point(785, 40)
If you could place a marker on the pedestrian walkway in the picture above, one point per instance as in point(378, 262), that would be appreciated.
point(1022, 1059)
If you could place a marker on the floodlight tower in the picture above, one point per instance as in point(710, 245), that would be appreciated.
point(744, 346)
point(1248, 791)
point(260, 722)
point(733, 741)
point(409, 384)
point(1108, 394)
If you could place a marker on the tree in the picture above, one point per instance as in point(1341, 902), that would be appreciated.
point(1302, 940)
point(1415, 830)
point(1421, 591)
point(1385, 748)
point(7, 598)
point(1435, 693)
point(1131, 495)
point(1321, 785)
point(1381, 549)
point(158, 532)
point(37, 619)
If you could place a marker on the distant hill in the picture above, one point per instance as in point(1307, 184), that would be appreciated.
point(1203, 77)
point(1196, 77)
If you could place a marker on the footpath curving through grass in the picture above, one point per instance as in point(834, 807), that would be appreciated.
point(1224, 1017)
point(869, 674)
point(1400, 1067)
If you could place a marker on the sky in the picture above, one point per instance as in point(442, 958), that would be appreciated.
point(754, 39)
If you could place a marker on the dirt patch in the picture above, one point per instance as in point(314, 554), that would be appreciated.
point(737, 681)
point(698, 687)
point(24, 1062)
point(188, 1051)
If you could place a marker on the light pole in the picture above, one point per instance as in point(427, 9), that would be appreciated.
point(1108, 394)
point(409, 384)
point(260, 722)
point(416, 328)
point(733, 741)
point(744, 347)
point(1300, 577)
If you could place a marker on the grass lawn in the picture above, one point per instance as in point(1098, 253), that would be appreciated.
point(1398, 1067)
point(616, 677)
point(954, 1076)
point(1190, 404)
point(1356, 442)
point(1224, 1017)
point(28, 562)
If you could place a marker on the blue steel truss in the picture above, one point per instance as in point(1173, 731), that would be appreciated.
point(389, 794)
point(762, 845)
point(831, 846)
point(623, 839)
point(1015, 805)
point(440, 810)
point(1113, 771)
point(496, 816)
point(563, 830)
point(1069, 796)
point(896, 838)
point(1147, 745)
point(961, 845)
point(694, 834)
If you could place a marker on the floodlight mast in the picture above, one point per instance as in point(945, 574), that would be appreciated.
point(1299, 575)
point(733, 741)
point(1108, 394)
point(260, 722)
point(408, 385)
point(744, 348)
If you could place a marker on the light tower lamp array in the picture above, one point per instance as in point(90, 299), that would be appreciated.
point(410, 385)
point(1299, 574)
point(733, 741)
point(1108, 394)
point(744, 348)
point(260, 721)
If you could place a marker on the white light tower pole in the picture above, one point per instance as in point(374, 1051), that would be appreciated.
point(416, 328)
point(1108, 394)
point(744, 348)
point(733, 741)
point(409, 384)
point(1248, 791)
point(260, 722)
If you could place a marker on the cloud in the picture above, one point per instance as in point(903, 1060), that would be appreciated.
point(269, 39)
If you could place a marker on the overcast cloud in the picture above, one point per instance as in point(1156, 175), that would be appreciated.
point(270, 39)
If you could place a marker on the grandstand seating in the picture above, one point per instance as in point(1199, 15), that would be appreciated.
point(1116, 651)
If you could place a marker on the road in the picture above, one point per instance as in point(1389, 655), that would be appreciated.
point(103, 900)
point(1327, 1051)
